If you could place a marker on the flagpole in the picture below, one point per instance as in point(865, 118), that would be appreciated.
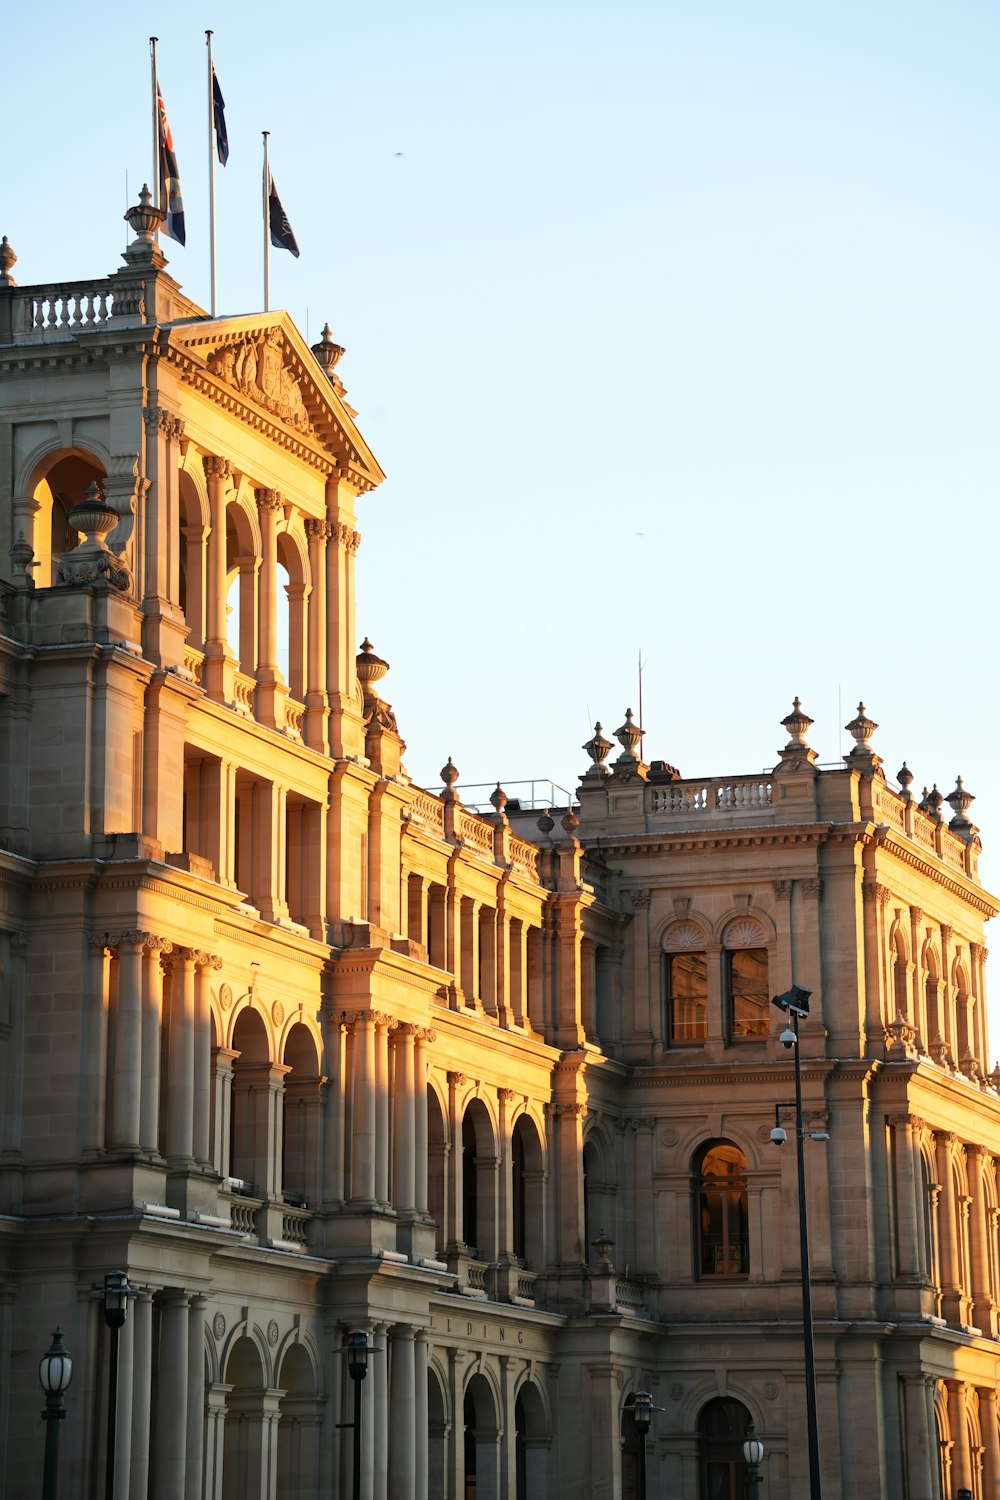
point(267, 236)
point(156, 133)
point(211, 167)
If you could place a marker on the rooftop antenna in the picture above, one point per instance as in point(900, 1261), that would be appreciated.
point(642, 736)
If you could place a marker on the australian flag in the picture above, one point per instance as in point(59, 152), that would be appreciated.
point(282, 237)
point(171, 200)
point(219, 112)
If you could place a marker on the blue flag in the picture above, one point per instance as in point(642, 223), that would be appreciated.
point(171, 200)
point(282, 237)
point(219, 111)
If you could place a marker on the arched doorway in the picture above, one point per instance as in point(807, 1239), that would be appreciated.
point(298, 1428)
point(479, 1182)
point(482, 1441)
point(528, 1198)
point(249, 1124)
point(437, 1169)
point(244, 1449)
point(722, 1471)
point(531, 1445)
point(62, 484)
point(300, 1137)
point(438, 1430)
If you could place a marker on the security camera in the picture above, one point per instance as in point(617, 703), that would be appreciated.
point(819, 1135)
point(787, 1037)
point(778, 1136)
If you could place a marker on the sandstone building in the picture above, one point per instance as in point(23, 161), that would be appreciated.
point(303, 1047)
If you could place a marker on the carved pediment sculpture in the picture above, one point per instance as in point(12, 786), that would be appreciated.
point(255, 366)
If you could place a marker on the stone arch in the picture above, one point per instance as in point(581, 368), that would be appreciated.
point(721, 1428)
point(481, 1408)
point(299, 1424)
point(692, 930)
point(480, 1159)
point(600, 1195)
point(684, 943)
point(438, 1151)
point(244, 1442)
point(193, 522)
point(720, 1204)
point(250, 1105)
point(934, 1010)
point(747, 944)
point(439, 1425)
point(243, 554)
point(532, 1442)
point(300, 1114)
point(58, 477)
point(293, 594)
point(527, 1167)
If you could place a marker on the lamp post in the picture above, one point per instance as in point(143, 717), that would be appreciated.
point(795, 1004)
point(753, 1453)
point(116, 1290)
point(55, 1371)
point(642, 1416)
point(357, 1367)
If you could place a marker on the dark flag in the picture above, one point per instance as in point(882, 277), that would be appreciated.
point(219, 112)
point(171, 200)
point(282, 237)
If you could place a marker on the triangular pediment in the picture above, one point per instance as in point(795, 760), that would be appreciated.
point(260, 364)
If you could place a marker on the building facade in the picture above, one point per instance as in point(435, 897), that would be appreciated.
point(302, 1047)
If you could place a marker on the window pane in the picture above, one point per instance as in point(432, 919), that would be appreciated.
point(723, 1221)
point(687, 997)
point(748, 998)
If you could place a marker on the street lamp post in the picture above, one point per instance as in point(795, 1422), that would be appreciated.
point(116, 1290)
point(795, 1004)
point(357, 1367)
point(753, 1453)
point(55, 1371)
point(642, 1416)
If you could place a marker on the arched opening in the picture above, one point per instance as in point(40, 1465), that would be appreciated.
point(438, 1430)
point(722, 1228)
point(244, 1448)
point(482, 1441)
point(600, 1208)
point(437, 1169)
point(531, 1445)
point(964, 1029)
point(528, 1196)
point(932, 1006)
point(191, 559)
point(631, 1445)
point(63, 484)
point(685, 988)
point(300, 1119)
point(249, 1133)
point(746, 981)
point(479, 1182)
point(242, 566)
point(722, 1426)
point(900, 978)
point(298, 1476)
point(293, 592)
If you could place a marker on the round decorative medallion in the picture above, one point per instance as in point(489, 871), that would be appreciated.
point(669, 1136)
point(676, 1391)
point(218, 1325)
point(272, 1333)
point(771, 1390)
point(277, 1012)
point(226, 996)
point(763, 1132)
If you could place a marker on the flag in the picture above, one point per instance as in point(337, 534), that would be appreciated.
point(219, 112)
point(282, 237)
point(170, 183)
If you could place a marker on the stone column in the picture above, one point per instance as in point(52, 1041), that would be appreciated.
point(979, 1248)
point(152, 1017)
point(378, 1379)
point(384, 1025)
point(125, 1113)
point(267, 861)
point(180, 1097)
point(195, 1399)
point(269, 505)
point(315, 736)
point(94, 1057)
point(642, 994)
point(402, 1413)
point(508, 1441)
point(569, 1147)
point(215, 1447)
point(961, 1453)
point(505, 1207)
point(222, 1081)
point(171, 1399)
point(217, 473)
point(196, 575)
point(141, 1316)
point(420, 1416)
point(363, 1114)
point(202, 1087)
point(904, 1161)
point(920, 1453)
point(951, 1285)
point(991, 1439)
point(123, 1398)
point(421, 1037)
point(645, 1256)
point(404, 1123)
point(454, 1194)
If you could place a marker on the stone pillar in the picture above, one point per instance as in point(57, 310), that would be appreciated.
point(957, 1421)
point(508, 1440)
point(569, 1148)
point(141, 1316)
point(180, 1098)
point(267, 863)
point(642, 997)
point(126, 1099)
point(455, 1205)
point(315, 735)
point(94, 1057)
point(378, 1379)
point(420, 1416)
point(213, 1462)
point(404, 1123)
point(123, 1398)
point(979, 1248)
point(202, 1085)
point(920, 1452)
point(196, 575)
point(951, 1285)
point(645, 1254)
point(421, 1037)
point(991, 1439)
point(384, 1025)
point(505, 1206)
point(171, 1399)
point(904, 1161)
point(222, 1081)
point(402, 1413)
point(363, 1113)
point(152, 1018)
point(269, 506)
point(195, 1399)
point(217, 472)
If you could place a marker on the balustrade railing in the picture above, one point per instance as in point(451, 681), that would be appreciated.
point(294, 714)
point(479, 835)
point(428, 812)
point(718, 795)
point(193, 662)
point(524, 856)
point(295, 1224)
point(244, 689)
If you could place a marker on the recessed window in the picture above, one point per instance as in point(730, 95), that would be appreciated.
point(722, 1221)
point(746, 985)
point(686, 977)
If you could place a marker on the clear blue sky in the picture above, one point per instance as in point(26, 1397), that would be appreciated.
point(674, 325)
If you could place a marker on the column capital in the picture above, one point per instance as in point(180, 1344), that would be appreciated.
point(269, 500)
point(319, 531)
point(216, 467)
point(781, 887)
point(368, 1018)
point(135, 939)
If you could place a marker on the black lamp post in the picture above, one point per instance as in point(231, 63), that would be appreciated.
point(795, 1004)
point(642, 1416)
point(116, 1290)
point(753, 1453)
point(357, 1367)
point(55, 1371)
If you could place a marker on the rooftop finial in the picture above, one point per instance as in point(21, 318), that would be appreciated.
point(328, 353)
point(7, 259)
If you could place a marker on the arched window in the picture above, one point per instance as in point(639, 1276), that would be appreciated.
point(747, 1015)
point(721, 1217)
point(932, 991)
point(722, 1472)
point(527, 1172)
point(685, 986)
point(900, 978)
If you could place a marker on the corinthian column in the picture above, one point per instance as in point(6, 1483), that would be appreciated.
point(217, 473)
point(128, 1043)
point(269, 710)
point(318, 533)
